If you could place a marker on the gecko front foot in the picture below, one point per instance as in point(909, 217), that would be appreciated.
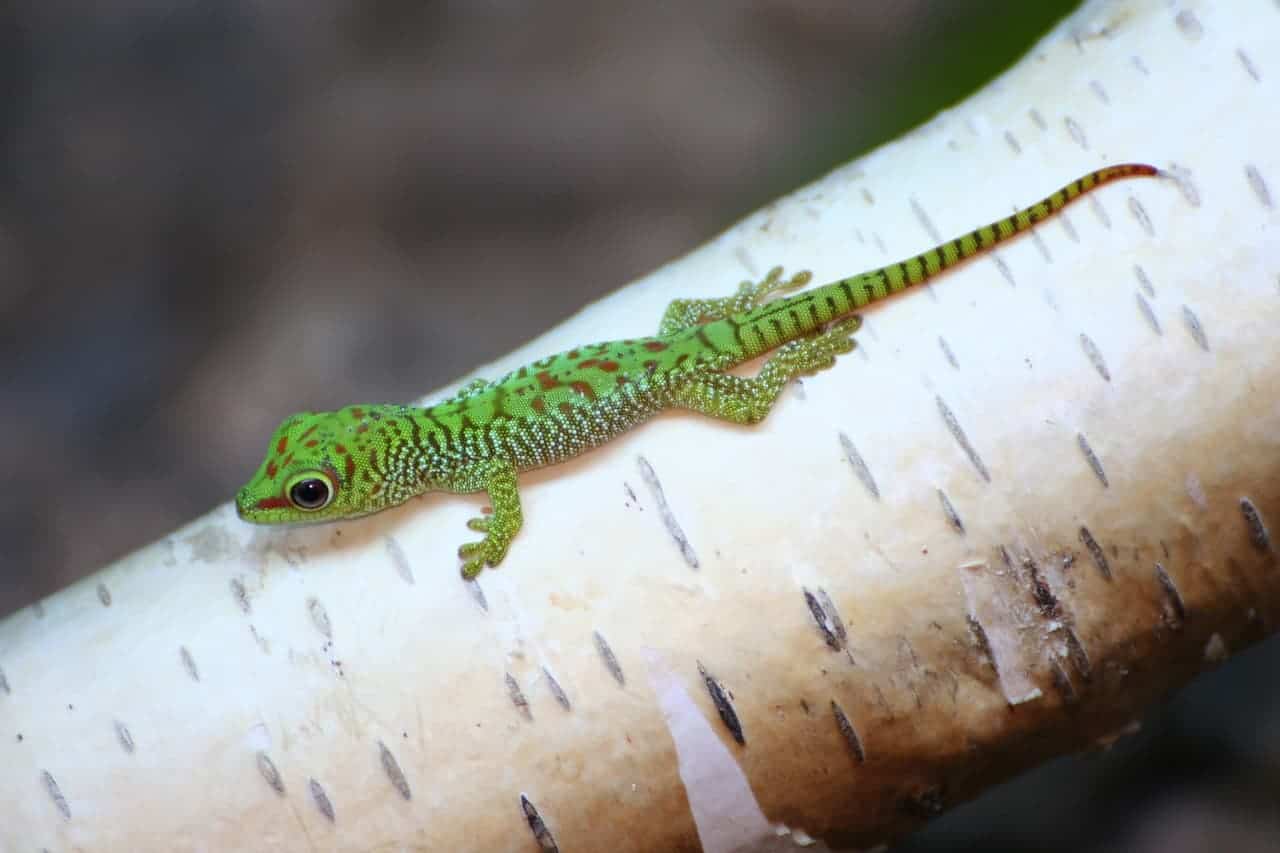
point(489, 551)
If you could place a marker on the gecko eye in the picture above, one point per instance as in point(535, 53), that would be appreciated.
point(310, 492)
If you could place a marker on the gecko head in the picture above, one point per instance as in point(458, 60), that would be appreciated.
point(320, 466)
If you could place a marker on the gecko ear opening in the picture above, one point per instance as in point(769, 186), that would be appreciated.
point(310, 491)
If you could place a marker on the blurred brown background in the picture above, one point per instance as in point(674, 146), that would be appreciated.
point(213, 214)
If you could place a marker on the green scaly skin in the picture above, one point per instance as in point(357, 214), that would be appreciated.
point(324, 466)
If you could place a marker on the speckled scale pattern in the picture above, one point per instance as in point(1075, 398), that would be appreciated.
point(370, 457)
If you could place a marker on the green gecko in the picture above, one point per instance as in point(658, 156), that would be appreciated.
point(323, 466)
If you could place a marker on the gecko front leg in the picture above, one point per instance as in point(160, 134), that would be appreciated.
point(497, 477)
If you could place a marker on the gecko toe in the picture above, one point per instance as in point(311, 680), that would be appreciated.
point(472, 568)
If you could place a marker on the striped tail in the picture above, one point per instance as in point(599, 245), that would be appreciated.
point(782, 320)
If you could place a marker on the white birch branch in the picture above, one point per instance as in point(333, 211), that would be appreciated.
point(831, 626)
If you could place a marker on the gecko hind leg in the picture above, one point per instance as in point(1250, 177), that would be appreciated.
point(686, 313)
point(746, 400)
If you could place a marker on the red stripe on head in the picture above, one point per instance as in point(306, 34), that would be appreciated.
point(272, 469)
point(282, 444)
point(273, 503)
point(351, 469)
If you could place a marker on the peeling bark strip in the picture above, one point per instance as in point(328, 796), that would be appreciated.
point(1100, 557)
point(668, 518)
point(321, 799)
point(848, 732)
point(610, 660)
point(546, 843)
point(393, 771)
point(1258, 535)
point(517, 697)
point(55, 793)
point(269, 772)
point(953, 427)
point(860, 469)
point(723, 700)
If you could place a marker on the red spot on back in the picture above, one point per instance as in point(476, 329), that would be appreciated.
point(340, 449)
point(655, 346)
point(583, 388)
point(282, 444)
point(573, 353)
point(546, 380)
point(566, 409)
point(538, 404)
point(310, 430)
point(312, 443)
point(623, 380)
point(362, 428)
point(651, 365)
point(351, 468)
point(272, 469)
point(273, 503)
point(357, 413)
point(591, 362)
point(285, 462)
point(608, 366)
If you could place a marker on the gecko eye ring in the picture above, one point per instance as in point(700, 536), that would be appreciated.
point(310, 492)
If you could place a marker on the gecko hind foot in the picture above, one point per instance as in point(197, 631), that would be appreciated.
point(687, 313)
